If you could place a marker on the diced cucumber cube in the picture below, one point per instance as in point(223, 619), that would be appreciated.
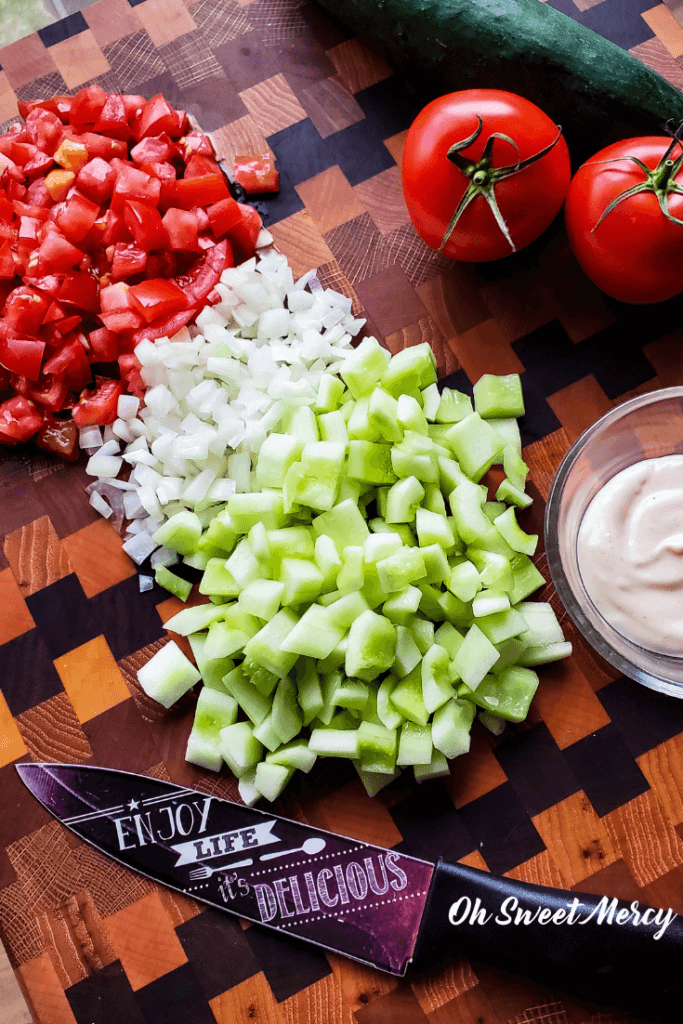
point(526, 578)
point(436, 684)
point(509, 694)
point(510, 530)
point(364, 366)
point(310, 695)
point(262, 598)
point(302, 580)
point(399, 570)
point(502, 625)
point(373, 782)
point(448, 637)
point(242, 564)
point(248, 792)
point(415, 456)
point(315, 634)
point(411, 367)
point(464, 580)
point(387, 714)
point(302, 424)
point(346, 608)
point(410, 415)
point(496, 395)
point(402, 500)
point(415, 744)
point(437, 568)
point(291, 542)
point(181, 532)
point(330, 393)
point(507, 492)
point(191, 620)
point(407, 653)
point(495, 570)
point(401, 607)
point(543, 654)
point(359, 427)
point(493, 723)
point(476, 445)
point(276, 455)
point(287, 716)
point(294, 755)
point(423, 633)
point(174, 584)
point(377, 748)
point(223, 641)
point(433, 528)
point(488, 602)
point(344, 524)
point(334, 743)
point(168, 675)
point(204, 751)
point(256, 507)
point(267, 734)
point(370, 462)
point(214, 711)
point(475, 657)
point(266, 647)
point(239, 747)
point(255, 706)
point(436, 769)
point(351, 576)
point(271, 779)
point(406, 697)
point(453, 407)
point(332, 427)
point(451, 727)
point(371, 646)
point(466, 505)
point(352, 695)
point(383, 415)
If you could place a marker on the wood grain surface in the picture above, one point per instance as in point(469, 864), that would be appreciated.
point(586, 794)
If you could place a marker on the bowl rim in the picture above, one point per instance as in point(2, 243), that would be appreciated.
point(571, 603)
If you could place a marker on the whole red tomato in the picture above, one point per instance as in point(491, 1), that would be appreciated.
point(515, 188)
point(634, 251)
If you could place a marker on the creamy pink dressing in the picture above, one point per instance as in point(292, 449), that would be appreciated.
point(630, 553)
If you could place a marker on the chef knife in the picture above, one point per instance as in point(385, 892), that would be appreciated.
point(378, 906)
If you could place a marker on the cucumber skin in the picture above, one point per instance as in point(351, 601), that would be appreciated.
point(596, 90)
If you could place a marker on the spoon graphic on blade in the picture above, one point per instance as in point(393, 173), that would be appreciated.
point(314, 845)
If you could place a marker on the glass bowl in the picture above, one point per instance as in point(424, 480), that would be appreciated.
point(642, 428)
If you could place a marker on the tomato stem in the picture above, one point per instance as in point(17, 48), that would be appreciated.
point(483, 178)
point(658, 180)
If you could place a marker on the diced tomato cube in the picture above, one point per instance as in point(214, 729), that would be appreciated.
point(157, 116)
point(25, 310)
point(44, 129)
point(199, 166)
point(127, 260)
point(104, 147)
point(7, 268)
point(98, 405)
point(76, 216)
point(195, 143)
point(57, 252)
point(153, 149)
point(205, 274)
point(80, 290)
point(113, 118)
point(115, 296)
point(245, 234)
point(115, 229)
point(182, 229)
point(104, 346)
point(20, 354)
point(47, 392)
point(145, 225)
point(122, 321)
point(38, 195)
point(164, 327)
point(96, 180)
point(201, 191)
point(257, 174)
point(133, 104)
point(71, 154)
point(69, 362)
point(15, 190)
point(19, 418)
point(223, 216)
point(130, 369)
point(87, 106)
point(59, 437)
point(157, 298)
point(134, 184)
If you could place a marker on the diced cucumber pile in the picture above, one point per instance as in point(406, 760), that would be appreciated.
point(366, 599)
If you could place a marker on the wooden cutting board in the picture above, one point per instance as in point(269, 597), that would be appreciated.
point(586, 794)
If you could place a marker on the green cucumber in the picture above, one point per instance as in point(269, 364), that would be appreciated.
point(590, 86)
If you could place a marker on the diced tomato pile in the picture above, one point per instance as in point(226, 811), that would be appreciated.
point(116, 223)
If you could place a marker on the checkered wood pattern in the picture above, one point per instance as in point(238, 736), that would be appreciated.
point(587, 794)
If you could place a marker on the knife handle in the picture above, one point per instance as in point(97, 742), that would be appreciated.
point(595, 951)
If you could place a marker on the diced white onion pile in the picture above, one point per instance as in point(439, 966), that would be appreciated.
point(215, 391)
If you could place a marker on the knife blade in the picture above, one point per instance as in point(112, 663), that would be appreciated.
point(378, 906)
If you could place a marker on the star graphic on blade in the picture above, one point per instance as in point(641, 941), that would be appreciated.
point(133, 805)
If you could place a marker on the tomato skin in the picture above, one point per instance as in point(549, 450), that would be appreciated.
point(433, 185)
point(98, 405)
point(636, 254)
